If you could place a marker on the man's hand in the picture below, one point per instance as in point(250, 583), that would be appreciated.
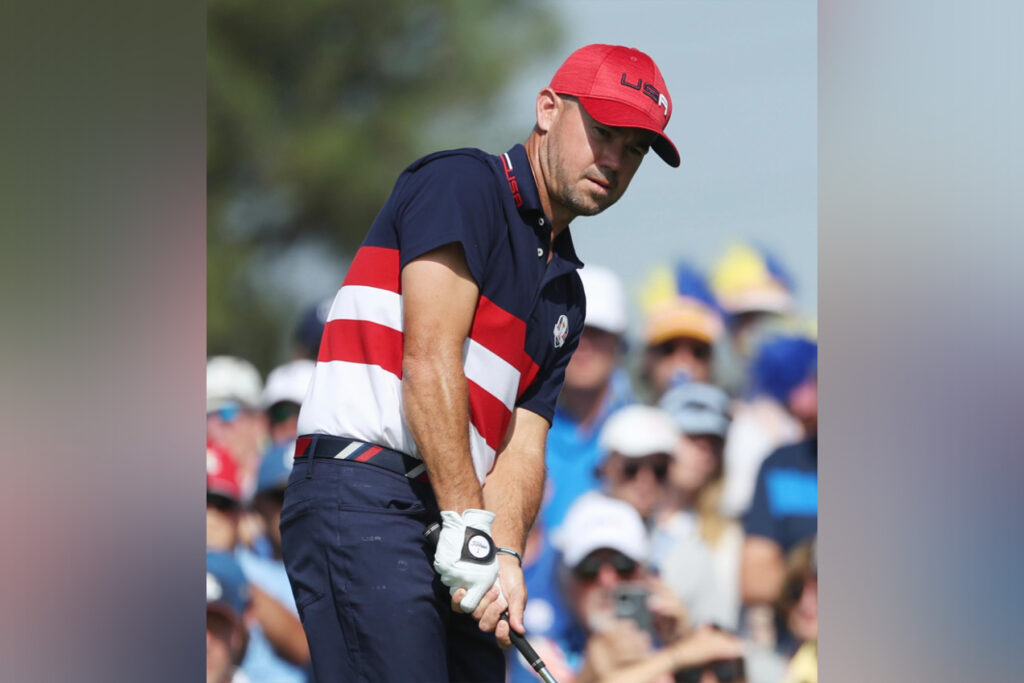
point(508, 593)
point(670, 619)
point(616, 647)
point(705, 645)
point(465, 556)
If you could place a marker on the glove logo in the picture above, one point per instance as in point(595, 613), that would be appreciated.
point(478, 547)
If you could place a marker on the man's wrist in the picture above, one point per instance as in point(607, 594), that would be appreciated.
point(504, 551)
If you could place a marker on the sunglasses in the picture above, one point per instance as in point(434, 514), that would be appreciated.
point(700, 350)
point(221, 503)
point(590, 566)
point(657, 464)
point(725, 671)
point(228, 412)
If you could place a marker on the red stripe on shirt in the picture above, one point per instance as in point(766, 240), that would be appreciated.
point(359, 341)
point(528, 373)
point(499, 332)
point(488, 414)
point(376, 267)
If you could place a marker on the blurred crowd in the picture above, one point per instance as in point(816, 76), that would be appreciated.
point(680, 503)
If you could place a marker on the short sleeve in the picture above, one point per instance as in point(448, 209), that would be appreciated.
point(542, 395)
point(450, 199)
point(759, 520)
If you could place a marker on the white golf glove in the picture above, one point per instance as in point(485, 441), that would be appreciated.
point(465, 555)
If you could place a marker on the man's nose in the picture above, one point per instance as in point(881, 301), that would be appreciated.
point(607, 576)
point(611, 155)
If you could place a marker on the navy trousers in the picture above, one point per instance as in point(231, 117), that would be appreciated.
point(371, 604)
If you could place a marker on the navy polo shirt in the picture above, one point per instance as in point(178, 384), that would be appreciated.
point(527, 323)
point(785, 505)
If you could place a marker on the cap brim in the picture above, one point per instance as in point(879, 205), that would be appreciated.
point(703, 425)
point(613, 113)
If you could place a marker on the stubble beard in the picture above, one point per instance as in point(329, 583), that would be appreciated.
point(580, 203)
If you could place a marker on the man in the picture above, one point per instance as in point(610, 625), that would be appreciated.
point(639, 443)
point(679, 334)
point(595, 386)
point(441, 360)
point(234, 415)
point(784, 510)
point(763, 422)
point(285, 390)
point(227, 598)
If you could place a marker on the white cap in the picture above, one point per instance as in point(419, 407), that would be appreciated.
point(232, 379)
point(596, 521)
point(638, 430)
point(606, 299)
point(288, 382)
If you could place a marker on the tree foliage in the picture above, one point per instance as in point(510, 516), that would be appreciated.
point(313, 108)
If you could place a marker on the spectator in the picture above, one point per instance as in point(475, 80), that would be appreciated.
point(753, 288)
point(604, 551)
point(223, 499)
point(273, 628)
point(282, 397)
point(310, 329)
point(763, 422)
point(798, 607)
point(595, 386)
point(696, 547)
point(639, 442)
point(785, 505)
point(227, 599)
point(234, 415)
point(268, 573)
point(680, 331)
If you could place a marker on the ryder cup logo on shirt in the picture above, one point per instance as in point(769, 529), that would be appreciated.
point(561, 331)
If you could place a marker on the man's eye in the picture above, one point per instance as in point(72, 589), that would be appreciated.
point(603, 132)
point(641, 151)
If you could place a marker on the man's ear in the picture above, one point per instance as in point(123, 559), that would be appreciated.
point(549, 104)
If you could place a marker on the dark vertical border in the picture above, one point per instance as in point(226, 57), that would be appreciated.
point(921, 334)
point(102, 203)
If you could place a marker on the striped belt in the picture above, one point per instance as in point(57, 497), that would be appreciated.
point(340, 448)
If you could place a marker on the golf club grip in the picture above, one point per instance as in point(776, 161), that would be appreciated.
point(432, 533)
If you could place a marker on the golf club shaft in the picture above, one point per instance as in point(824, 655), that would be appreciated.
point(432, 533)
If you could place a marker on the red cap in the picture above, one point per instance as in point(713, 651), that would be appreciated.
point(222, 473)
point(622, 87)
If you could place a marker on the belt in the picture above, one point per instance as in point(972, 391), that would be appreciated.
point(341, 448)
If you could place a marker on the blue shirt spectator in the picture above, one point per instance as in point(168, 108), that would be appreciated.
point(785, 505)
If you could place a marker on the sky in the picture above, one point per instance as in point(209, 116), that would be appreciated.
point(743, 80)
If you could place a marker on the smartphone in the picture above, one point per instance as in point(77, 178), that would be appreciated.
point(631, 603)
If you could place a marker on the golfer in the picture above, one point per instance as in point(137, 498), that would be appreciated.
point(439, 366)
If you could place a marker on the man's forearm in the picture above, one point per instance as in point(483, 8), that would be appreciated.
point(436, 402)
point(513, 491)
